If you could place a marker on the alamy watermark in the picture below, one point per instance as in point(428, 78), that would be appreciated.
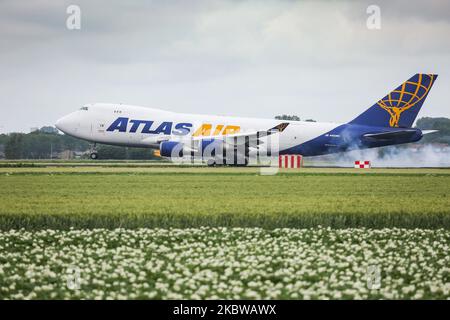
point(373, 277)
point(73, 21)
point(73, 278)
point(260, 149)
point(373, 21)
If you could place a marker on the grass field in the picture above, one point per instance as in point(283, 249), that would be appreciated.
point(166, 232)
point(105, 197)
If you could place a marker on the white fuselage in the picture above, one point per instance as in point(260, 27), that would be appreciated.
point(142, 127)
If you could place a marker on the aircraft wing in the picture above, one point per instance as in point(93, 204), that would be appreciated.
point(157, 139)
point(245, 137)
point(250, 139)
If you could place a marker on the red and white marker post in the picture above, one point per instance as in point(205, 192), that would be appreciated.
point(292, 161)
point(362, 164)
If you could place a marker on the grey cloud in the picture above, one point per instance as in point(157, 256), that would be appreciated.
point(250, 58)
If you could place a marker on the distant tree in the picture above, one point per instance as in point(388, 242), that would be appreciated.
point(288, 117)
point(3, 138)
point(71, 143)
point(14, 147)
point(38, 145)
point(440, 124)
point(48, 129)
point(428, 123)
point(45, 144)
point(292, 118)
point(141, 154)
point(124, 153)
point(111, 152)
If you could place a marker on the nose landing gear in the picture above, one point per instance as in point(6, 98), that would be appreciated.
point(93, 154)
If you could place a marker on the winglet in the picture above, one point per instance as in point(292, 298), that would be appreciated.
point(280, 127)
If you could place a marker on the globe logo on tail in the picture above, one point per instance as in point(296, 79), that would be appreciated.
point(405, 97)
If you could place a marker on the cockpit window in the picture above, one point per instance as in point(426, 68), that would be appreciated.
point(84, 108)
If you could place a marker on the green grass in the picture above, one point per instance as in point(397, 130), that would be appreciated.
point(177, 238)
point(81, 163)
point(61, 198)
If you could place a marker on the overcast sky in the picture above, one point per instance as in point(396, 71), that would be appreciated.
point(315, 59)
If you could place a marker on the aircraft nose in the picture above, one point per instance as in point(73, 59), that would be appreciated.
point(59, 123)
point(63, 124)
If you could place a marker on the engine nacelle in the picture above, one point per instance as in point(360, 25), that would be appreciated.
point(204, 148)
point(171, 149)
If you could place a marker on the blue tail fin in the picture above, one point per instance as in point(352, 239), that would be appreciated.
point(401, 106)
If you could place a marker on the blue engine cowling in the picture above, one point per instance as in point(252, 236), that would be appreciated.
point(205, 148)
point(171, 149)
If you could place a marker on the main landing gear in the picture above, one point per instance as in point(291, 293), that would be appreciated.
point(93, 152)
point(221, 162)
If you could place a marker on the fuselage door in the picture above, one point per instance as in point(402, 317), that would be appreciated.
point(99, 127)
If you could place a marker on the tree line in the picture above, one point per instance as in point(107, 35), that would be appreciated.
point(49, 145)
point(440, 124)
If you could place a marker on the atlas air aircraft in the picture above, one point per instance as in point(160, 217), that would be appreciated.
point(213, 138)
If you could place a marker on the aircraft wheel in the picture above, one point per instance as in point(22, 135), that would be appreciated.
point(94, 155)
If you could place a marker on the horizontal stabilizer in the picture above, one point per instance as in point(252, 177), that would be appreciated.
point(429, 131)
point(392, 135)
